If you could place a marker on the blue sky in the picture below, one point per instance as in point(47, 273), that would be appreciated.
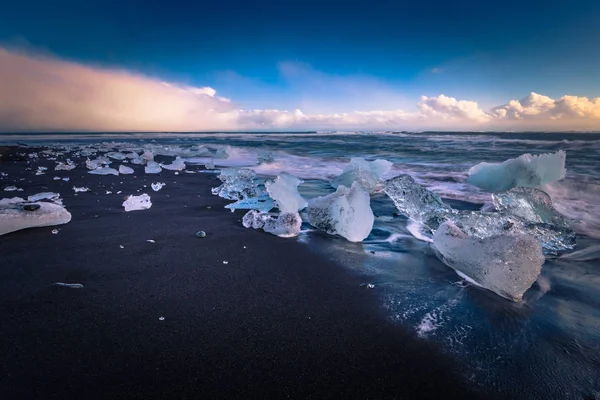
point(328, 56)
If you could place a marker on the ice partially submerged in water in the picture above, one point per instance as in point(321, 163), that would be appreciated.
point(17, 214)
point(507, 264)
point(262, 202)
point(416, 202)
point(524, 171)
point(287, 224)
point(367, 174)
point(135, 203)
point(284, 190)
point(525, 211)
point(237, 184)
point(346, 212)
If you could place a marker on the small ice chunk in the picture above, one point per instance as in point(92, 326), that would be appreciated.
point(104, 171)
point(53, 197)
point(347, 213)
point(16, 215)
point(416, 202)
point(70, 285)
point(147, 156)
point(152, 167)
point(177, 165)
point(367, 174)
point(12, 189)
point(157, 186)
point(237, 184)
point(134, 203)
point(97, 163)
point(286, 225)
point(125, 170)
point(61, 166)
point(138, 161)
point(151, 241)
point(524, 171)
point(67, 179)
point(507, 265)
point(116, 155)
point(210, 164)
point(80, 189)
point(284, 190)
point(55, 231)
point(262, 203)
point(40, 171)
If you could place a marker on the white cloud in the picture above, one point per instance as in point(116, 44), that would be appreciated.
point(42, 93)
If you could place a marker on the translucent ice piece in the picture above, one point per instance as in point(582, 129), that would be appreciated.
point(237, 184)
point(64, 166)
point(506, 264)
point(285, 225)
point(15, 216)
point(367, 174)
point(347, 213)
point(529, 204)
point(157, 186)
point(524, 171)
point(134, 203)
point(116, 155)
point(177, 165)
point(152, 167)
point(261, 203)
point(284, 190)
point(104, 171)
point(125, 170)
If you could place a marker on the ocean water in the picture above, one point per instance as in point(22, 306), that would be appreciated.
point(546, 347)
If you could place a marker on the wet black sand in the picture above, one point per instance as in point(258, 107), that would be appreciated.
point(276, 321)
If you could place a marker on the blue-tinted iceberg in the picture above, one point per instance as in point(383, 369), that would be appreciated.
point(506, 264)
point(524, 171)
point(346, 212)
point(367, 174)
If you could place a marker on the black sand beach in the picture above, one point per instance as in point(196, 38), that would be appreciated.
point(277, 320)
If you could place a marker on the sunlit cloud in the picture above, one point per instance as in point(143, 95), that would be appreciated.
point(44, 93)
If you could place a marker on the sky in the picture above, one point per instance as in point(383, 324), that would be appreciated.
point(276, 65)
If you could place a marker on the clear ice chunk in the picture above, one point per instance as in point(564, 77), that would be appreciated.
point(177, 165)
point(531, 205)
point(64, 166)
point(416, 202)
point(135, 203)
point(524, 171)
point(16, 215)
point(157, 186)
point(367, 174)
point(125, 170)
point(237, 184)
point(262, 203)
point(116, 155)
point(152, 167)
point(284, 190)
point(285, 225)
point(96, 163)
point(104, 171)
point(80, 189)
point(506, 264)
point(53, 197)
point(346, 212)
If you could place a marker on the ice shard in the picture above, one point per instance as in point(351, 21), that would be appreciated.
point(284, 190)
point(177, 165)
point(367, 174)
point(524, 171)
point(17, 215)
point(135, 203)
point(346, 212)
point(262, 203)
point(237, 184)
point(506, 264)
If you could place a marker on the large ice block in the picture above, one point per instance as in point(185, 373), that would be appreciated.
point(17, 215)
point(505, 264)
point(284, 190)
point(367, 174)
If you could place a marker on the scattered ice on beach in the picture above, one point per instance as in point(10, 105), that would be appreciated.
point(370, 286)
point(56, 178)
point(161, 318)
point(104, 171)
point(61, 166)
point(347, 213)
point(152, 167)
point(507, 264)
point(367, 174)
point(262, 203)
point(287, 224)
point(70, 285)
point(125, 170)
point(138, 161)
point(12, 189)
point(53, 197)
point(177, 165)
point(416, 202)
point(66, 179)
point(225, 262)
point(151, 241)
point(524, 171)
point(40, 171)
point(147, 156)
point(80, 189)
point(15, 214)
point(135, 203)
point(55, 231)
point(157, 186)
point(237, 184)
point(284, 190)
point(96, 163)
